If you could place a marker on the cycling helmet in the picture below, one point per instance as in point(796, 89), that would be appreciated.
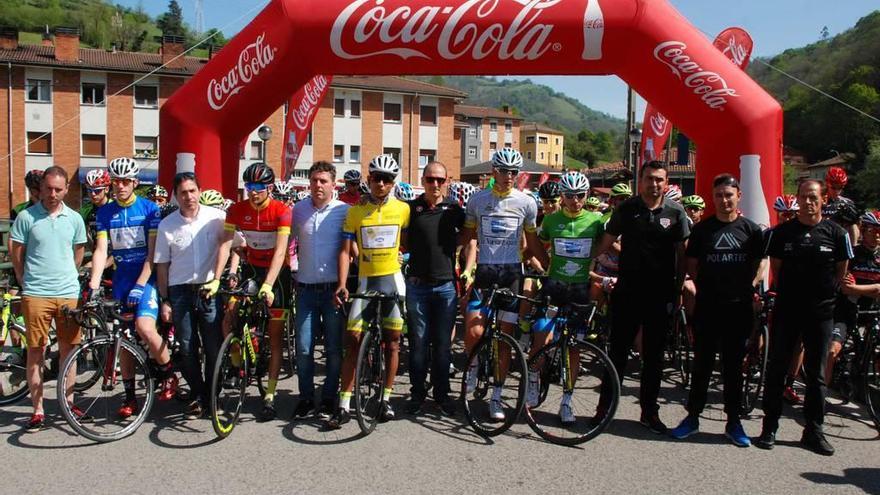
point(33, 179)
point(621, 189)
point(97, 178)
point(363, 188)
point(404, 191)
point(549, 190)
point(673, 192)
point(211, 197)
point(258, 173)
point(283, 190)
point(693, 201)
point(507, 158)
point(157, 191)
point(786, 203)
point(123, 168)
point(593, 201)
point(352, 176)
point(836, 176)
point(303, 195)
point(574, 182)
point(871, 218)
point(384, 164)
point(226, 204)
point(461, 192)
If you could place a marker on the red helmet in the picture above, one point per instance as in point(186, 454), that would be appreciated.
point(836, 177)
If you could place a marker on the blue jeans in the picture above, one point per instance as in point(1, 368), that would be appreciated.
point(314, 308)
point(197, 324)
point(431, 311)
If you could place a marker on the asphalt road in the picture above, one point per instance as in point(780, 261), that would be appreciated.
point(432, 454)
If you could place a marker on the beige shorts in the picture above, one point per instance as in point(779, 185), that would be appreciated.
point(38, 314)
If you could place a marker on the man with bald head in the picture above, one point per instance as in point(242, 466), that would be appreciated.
point(431, 296)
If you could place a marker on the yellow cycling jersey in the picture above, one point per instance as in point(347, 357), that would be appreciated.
point(377, 230)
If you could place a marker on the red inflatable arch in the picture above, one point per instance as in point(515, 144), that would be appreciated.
point(649, 44)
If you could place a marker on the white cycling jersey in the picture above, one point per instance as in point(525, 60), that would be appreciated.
point(500, 221)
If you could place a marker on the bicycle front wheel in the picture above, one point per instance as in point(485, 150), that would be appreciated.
point(113, 407)
point(682, 352)
point(493, 386)
point(871, 376)
point(570, 383)
point(754, 369)
point(369, 381)
point(229, 385)
point(13, 365)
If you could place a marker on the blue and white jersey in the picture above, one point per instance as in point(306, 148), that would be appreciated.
point(128, 230)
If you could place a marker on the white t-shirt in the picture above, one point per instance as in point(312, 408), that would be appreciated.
point(190, 245)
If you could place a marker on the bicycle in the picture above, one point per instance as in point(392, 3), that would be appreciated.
point(243, 357)
point(571, 368)
point(487, 359)
point(370, 370)
point(106, 361)
point(857, 371)
point(680, 349)
point(757, 352)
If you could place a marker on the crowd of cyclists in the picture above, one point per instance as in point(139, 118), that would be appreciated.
point(638, 255)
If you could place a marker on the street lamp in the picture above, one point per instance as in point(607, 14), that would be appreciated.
point(635, 137)
point(265, 134)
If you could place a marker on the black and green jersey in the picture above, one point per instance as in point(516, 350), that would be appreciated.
point(19, 208)
point(572, 239)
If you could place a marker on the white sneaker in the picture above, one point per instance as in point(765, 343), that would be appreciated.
point(496, 413)
point(472, 378)
point(533, 390)
point(566, 415)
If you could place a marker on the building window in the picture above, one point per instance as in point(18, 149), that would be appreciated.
point(308, 139)
point(92, 94)
point(493, 145)
point(542, 155)
point(394, 152)
point(93, 145)
point(542, 140)
point(529, 155)
point(493, 126)
point(146, 96)
point(339, 107)
point(392, 112)
point(146, 147)
point(508, 145)
point(556, 158)
point(354, 154)
point(338, 153)
point(557, 141)
point(508, 126)
point(38, 90)
point(39, 143)
point(472, 132)
point(257, 150)
point(355, 108)
point(426, 157)
point(428, 115)
point(530, 139)
point(472, 152)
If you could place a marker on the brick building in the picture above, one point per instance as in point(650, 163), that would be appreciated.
point(484, 130)
point(59, 106)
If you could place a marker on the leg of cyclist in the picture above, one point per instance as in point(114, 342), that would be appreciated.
point(838, 338)
point(277, 319)
point(625, 324)
point(145, 324)
point(784, 339)
point(794, 369)
point(352, 343)
point(706, 336)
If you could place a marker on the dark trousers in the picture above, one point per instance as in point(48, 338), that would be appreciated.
point(196, 328)
point(431, 311)
point(629, 311)
point(790, 324)
point(728, 325)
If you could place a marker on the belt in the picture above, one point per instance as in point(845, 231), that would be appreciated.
point(323, 286)
point(426, 281)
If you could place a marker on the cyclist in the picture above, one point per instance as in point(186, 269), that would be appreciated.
point(673, 192)
point(265, 224)
point(861, 288)
point(212, 198)
point(619, 193)
point(98, 188)
point(283, 191)
point(839, 209)
point(572, 235)
point(404, 192)
point(694, 206)
point(548, 193)
point(128, 227)
point(377, 227)
point(786, 208)
point(497, 221)
point(724, 254)
point(593, 204)
point(32, 182)
point(461, 193)
point(352, 193)
point(158, 194)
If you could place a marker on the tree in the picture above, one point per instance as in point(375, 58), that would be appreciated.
point(171, 22)
point(864, 183)
point(824, 33)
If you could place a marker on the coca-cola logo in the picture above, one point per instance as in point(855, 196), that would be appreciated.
point(659, 123)
point(252, 60)
point(735, 51)
point(449, 31)
point(313, 93)
point(708, 85)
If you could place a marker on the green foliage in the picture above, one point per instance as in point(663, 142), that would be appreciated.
point(866, 182)
point(171, 22)
point(789, 179)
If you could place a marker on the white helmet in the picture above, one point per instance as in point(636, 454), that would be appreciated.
point(507, 158)
point(303, 195)
point(674, 192)
point(123, 168)
point(283, 188)
point(384, 164)
point(574, 182)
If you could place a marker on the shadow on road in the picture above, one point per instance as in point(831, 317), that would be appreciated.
point(866, 479)
point(454, 427)
point(628, 428)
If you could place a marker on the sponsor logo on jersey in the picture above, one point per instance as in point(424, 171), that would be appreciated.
point(727, 242)
point(665, 222)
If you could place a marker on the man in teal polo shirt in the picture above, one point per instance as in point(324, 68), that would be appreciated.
point(48, 243)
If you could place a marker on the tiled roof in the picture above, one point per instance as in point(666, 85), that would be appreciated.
point(483, 112)
point(95, 59)
point(534, 126)
point(395, 84)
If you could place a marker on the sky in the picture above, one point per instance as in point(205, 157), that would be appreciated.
point(774, 25)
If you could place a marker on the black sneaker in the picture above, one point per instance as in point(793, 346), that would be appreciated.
point(194, 410)
point(414, 407)
point(766, 441)
point(326, 410)
point(386, 413)
point(268, 413)
point(448, 408)
point(815, 440)
point(303, 409)
point(338, 419)
point(654, 424)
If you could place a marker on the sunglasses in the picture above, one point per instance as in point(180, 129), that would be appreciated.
point(124, 182)
point(254, 187)
point(435, 180)
point(507, 171)
point(382, 178)
point(580, 196)
point(549, 201)
point(96, 190)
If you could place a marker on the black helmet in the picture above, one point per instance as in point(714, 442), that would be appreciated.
point(258, 173)
point(33, 179)
point(549, 190)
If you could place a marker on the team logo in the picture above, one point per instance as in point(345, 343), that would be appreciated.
point(420, 209)
point(727, 242)
point(665, 222)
